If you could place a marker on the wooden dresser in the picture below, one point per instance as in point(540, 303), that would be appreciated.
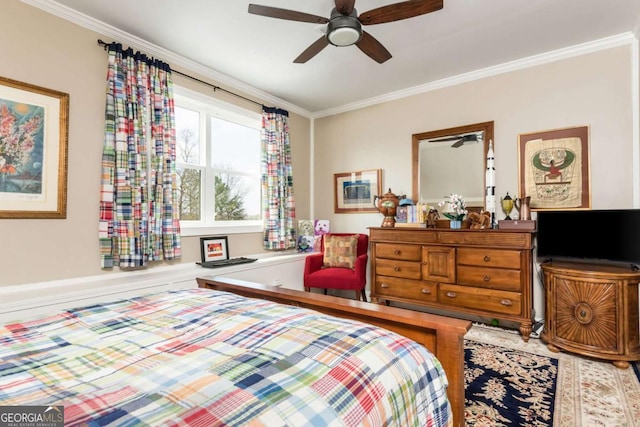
point(592, 310)
point(486, 273)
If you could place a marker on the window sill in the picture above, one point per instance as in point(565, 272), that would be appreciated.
point(221, 229)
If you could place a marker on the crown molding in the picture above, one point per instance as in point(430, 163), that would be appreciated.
point(176, 60)
point(532, 61)
point(173, 58)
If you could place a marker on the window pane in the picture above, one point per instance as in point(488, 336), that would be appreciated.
point(188, 135)
point(218, 161)
point(235, 147)
point(236, 197)
point(189, 194)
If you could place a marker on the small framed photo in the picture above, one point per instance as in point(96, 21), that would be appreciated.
point(214, 248)
point(355, 191)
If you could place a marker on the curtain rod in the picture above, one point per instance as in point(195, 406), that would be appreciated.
point(215, 88)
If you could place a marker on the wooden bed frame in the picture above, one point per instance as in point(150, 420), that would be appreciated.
point(443, 336)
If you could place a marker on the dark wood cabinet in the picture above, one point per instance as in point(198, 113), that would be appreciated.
point(592, 310)
point(484, 273)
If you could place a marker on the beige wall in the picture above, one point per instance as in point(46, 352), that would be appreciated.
point(593, 89)
point(44, 50)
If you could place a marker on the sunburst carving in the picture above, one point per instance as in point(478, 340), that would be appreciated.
point(586, 313)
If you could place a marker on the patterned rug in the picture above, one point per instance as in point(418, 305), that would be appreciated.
point(513, 383)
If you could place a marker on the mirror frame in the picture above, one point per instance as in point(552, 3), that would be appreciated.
point(487, 127)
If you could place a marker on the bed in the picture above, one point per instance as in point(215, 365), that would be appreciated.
point(226, 353)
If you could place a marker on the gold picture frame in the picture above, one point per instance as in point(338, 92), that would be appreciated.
point(355, 191)
point(34, 123)
point(554, 169)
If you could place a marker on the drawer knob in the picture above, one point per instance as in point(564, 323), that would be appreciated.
point(506, 302)
point(425, 291)
point(583, 313)
point(396, 268)
point(486, 278)
point(487, 258)
point(396, 252)
point(451, 294)
point(384, 285)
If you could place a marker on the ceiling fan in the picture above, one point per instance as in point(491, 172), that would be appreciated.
point(460, 140)
point(344, 27)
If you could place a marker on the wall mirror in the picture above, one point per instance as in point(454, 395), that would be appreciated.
point(449, 161)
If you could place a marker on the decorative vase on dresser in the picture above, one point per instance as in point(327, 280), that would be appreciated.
point(465, 272)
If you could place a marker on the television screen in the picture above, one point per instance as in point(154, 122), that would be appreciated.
point(609, 235)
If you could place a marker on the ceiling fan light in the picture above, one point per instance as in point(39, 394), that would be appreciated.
point(344, 36)
point(344, 30)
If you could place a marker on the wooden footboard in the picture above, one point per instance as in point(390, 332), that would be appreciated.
point(443, 336)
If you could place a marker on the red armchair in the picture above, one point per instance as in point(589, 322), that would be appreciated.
point(317, 275)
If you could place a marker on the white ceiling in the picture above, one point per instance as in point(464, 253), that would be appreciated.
point(464, 37)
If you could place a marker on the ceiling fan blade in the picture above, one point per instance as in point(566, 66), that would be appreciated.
point(373, 48)
point(291, 15)
point(448, 138)
point(464, 138)
point(345, 7)
point(458, 143)
point(398, 11)
point(312, 50)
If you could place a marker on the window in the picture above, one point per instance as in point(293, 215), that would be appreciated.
point(218, 165)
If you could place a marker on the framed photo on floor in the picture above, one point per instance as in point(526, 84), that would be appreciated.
point(355, 191)
point(34, 124)
point(553, 168)
point(214, 248)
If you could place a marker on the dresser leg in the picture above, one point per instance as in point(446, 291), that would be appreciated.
point(525, 331)
point(622, 364)
point(553, 348)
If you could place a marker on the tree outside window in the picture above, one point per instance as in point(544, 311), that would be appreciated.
point(218, 164)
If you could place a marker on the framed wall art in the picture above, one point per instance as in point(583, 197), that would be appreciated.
point(34, 124)
point(355, 191)
point(214, 248)
point(553, 168)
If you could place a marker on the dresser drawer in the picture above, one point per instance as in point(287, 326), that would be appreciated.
point(491, 301)
point(394, 251)
point(491, 278)
point(398, 268)
point(416, 290)
point(489, 257)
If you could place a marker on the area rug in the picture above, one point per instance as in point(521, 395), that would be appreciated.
point(513, 383)
point(504, 386)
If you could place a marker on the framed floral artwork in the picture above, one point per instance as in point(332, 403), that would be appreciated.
point(34, 125)
point(553, 167)
point(355, 191)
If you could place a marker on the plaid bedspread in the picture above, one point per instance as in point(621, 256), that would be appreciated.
point(199, 357)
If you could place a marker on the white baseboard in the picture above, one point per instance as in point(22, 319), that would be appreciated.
point(33, 299)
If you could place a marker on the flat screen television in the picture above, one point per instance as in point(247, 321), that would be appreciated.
point(604, 235)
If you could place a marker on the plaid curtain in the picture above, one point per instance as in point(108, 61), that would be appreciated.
point(277, 181)
point(139, 219)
